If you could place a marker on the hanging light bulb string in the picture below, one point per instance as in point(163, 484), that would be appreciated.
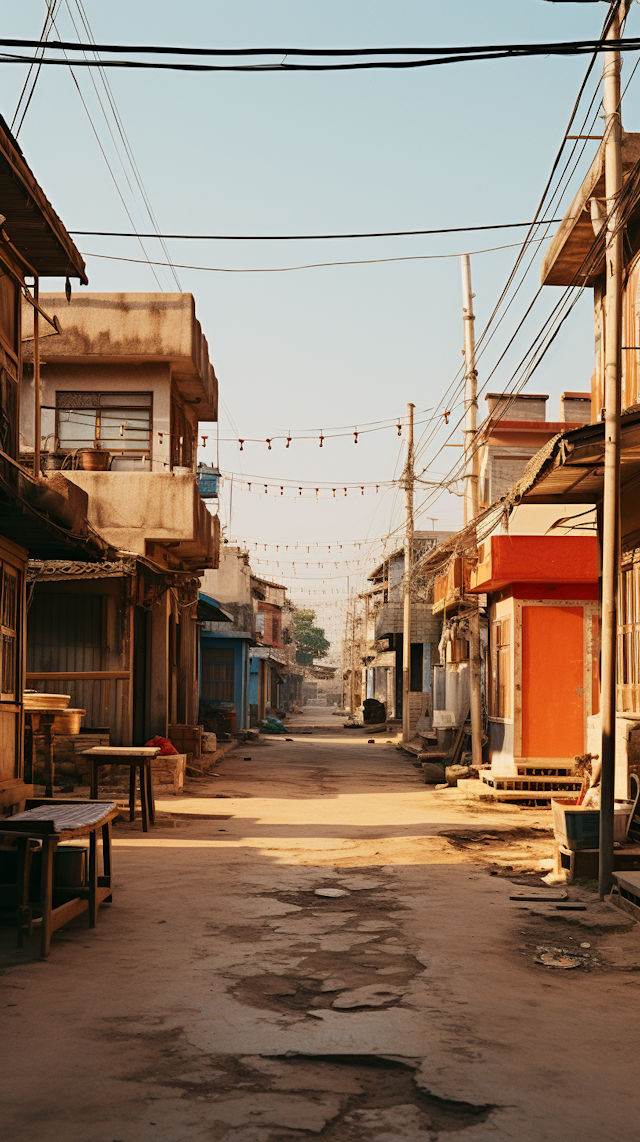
point(344, 431)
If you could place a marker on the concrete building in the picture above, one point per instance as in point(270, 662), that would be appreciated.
point(123, 389)
point(225, 646)
point(514, 430)
point(572, 470)
point(383, 634)
point(272, 658)
point(43, 519)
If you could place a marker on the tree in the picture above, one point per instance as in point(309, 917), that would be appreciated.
point(310, 640)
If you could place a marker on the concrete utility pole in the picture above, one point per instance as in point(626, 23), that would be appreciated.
point(471, 500)
point(611, 493)
point(406, 584)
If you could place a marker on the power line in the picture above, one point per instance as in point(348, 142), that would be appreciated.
point(441, 55)
point(308, 266)
point(304, 237)
point(123, 135)
point(48, 25)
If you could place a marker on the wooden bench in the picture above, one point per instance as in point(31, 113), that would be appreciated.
point(50, 822)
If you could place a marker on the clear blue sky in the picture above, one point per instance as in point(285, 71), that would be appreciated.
point(287, 153)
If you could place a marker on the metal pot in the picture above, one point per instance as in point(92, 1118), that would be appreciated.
point(95, 460)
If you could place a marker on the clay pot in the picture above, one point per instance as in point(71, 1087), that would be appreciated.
point(95, 460)
point(68, 722)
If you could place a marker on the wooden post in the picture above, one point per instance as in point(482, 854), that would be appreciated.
point(406, 585)
point(611, 492)
point(37, 417)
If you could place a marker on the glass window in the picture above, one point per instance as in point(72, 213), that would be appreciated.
point(117, 422)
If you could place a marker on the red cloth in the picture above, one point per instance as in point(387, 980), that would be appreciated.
point(165, 745)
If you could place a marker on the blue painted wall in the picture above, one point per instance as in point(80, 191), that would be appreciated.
point(240, 647)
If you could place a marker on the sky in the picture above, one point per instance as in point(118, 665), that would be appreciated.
point(314, 350)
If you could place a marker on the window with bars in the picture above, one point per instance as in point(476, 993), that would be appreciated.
point(500, 689)
point(116, 422)
point(9, 620)
point(217, 674)
point(628, 665)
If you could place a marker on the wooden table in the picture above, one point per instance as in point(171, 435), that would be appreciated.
point(43, 719)
point(51, 821)
point(135, 757)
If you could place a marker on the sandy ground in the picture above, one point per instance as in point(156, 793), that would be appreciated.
point(312, 943)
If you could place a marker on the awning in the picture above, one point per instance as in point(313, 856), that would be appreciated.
point(31, 222)
point(571, 470)
point(210, 611)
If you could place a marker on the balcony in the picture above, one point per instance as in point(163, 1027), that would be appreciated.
point(390, 617)
point(159, 514)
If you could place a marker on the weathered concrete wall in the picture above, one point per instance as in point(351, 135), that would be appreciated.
point(133, 510)
point(529, 406)
point(148, 377)
point(133, 327)
point(231, 581)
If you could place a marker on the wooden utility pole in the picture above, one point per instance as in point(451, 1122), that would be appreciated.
point(471, 500)
point(406, 584)
point(611, 492)
point(353, 654)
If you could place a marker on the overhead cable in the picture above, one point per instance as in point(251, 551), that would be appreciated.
point(439, 55)
point(308, 266)
point(304, 237)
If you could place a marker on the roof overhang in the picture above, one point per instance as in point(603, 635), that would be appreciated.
point(210, 611)
point(32, 224)
point(571, 470)
point(568, 260)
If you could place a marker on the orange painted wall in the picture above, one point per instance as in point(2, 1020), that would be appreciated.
point(552, 681)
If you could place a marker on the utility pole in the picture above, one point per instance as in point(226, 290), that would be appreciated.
point(611, 492)
point(353, 655)
point(471, 501)
point(406, 585)
point(470, 395)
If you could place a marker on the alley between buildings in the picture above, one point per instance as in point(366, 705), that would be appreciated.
point(313, 943)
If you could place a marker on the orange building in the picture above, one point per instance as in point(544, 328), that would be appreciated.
point(542, 684)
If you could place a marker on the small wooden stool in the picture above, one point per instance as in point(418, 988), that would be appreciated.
point(135, 757)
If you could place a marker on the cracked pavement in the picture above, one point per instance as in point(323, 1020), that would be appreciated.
point(316, 944)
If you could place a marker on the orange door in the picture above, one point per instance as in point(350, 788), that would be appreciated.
point(552, 681)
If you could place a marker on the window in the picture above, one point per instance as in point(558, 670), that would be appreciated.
point(217, 674)
point(9, 618)
point(500, 692)
point(116, 422)
point(628, 665)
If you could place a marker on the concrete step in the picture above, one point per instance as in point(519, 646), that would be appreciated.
point(536, 769)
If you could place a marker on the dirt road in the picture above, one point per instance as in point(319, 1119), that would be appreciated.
point(321, 946)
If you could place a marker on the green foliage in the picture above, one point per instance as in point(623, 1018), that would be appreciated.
point(310, 640)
